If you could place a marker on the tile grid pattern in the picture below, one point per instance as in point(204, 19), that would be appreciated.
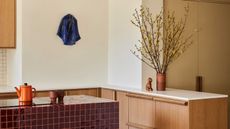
point(79, 116)
point(3, 67)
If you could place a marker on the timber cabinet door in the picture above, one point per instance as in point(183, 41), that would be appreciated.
point(7, 24)
point(141, 112)
point(171, 114)
point(123, 109)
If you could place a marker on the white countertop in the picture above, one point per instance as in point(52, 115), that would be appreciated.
point(185, 95)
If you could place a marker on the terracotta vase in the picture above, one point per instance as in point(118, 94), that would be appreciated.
point(161, 81)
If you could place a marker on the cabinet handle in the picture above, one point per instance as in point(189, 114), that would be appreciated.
point(139, 97)
point(139, 126)
point(178, 102)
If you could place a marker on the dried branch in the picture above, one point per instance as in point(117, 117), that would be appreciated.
point(162, 38)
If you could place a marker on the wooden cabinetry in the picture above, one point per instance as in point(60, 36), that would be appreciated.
point(7, 23)
point(171, 114)
point(123, 109)
point(208, 114)
point(137, 111)
point(108, 94)
point(141, 111)
point(91, 92)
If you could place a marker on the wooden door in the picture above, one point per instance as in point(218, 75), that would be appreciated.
point(7, 23)
point(141, 111)
point(123, 109)
point(171, 115)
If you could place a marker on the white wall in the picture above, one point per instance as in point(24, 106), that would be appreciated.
point(124, 69)
point(14, 56)
point(46, 61)
point(102, 56)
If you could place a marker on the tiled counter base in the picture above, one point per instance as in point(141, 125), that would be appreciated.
point(104, 115)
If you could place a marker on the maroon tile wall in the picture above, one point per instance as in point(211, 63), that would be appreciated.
point(79, 116)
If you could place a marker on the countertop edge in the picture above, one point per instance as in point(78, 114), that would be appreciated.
point(136, 91)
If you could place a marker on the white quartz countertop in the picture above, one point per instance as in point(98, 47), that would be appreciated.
point(177, 94)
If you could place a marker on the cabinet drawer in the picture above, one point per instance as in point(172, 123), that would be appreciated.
point(141, 111)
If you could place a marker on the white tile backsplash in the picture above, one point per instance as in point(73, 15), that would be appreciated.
point(3, 67)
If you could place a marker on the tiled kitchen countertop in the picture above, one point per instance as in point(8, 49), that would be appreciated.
point(68, 100)
point(76, 112)
point(178, 94)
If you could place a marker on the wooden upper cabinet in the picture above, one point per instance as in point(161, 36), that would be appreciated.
point(7, 23)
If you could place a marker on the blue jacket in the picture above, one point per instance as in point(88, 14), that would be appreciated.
point(68, 30)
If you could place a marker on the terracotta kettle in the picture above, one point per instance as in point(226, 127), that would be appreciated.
point(26, 93)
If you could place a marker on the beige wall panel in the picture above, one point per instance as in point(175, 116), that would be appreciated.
point(214, 52)
point(182, 73)
point(214, 39)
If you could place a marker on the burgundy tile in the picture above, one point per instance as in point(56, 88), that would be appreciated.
point(67, 113)
point(50, 115)
point(50, 109)
point(55, 108)
point(38, 122)
point(45, 109)
point(62, 120)
point(39, 110)
point(62, 113)
point(77, 107)
point(56, 120)
point(72, 119)
point(3, 125)
point(61, 107)
point(66, 119)
point(55, 115)
point(85, 116)
point(56, 126)
point(98, 105)
point(50, 121)
point(67, 107)
point(3, 112)
point(3, 118)
point(77, 124)
point(72, 107)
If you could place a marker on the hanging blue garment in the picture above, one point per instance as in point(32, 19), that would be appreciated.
point(68, 30)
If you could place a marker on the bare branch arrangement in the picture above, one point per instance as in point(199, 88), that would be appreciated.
point(162, 40)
